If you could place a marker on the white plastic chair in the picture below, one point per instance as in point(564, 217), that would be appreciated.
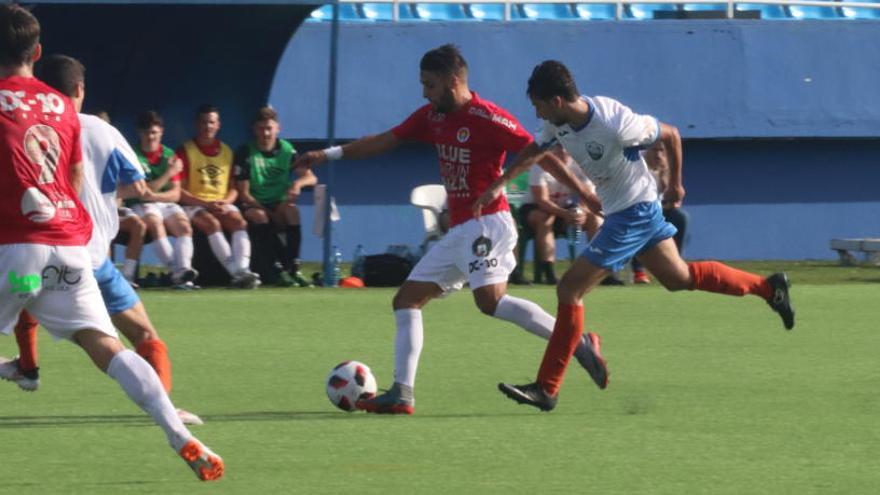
point(431, 198)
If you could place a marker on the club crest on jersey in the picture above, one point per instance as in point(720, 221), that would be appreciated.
point(482, 246)
point(463, 135)
point(595, 150)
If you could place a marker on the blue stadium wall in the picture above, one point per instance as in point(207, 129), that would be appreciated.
point(781, 120)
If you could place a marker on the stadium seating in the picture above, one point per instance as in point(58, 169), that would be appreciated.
point(644, 11)
point(488, 11)
point(348, 12)
point(441, 12)
point(772, 12)
point(595, 11)
point(851, 13)
point(385, 11)
point(809, 12)
point(547, 11)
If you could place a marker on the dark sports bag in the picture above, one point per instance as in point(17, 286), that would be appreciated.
point(385, 270)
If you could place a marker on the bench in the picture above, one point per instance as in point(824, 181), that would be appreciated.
point(845, 248)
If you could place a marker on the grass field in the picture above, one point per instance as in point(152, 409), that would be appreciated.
point(708, 394)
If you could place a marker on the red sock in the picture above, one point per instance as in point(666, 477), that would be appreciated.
point(155, 353)
point(713, 276)
point(26, 337)
point(566, 336)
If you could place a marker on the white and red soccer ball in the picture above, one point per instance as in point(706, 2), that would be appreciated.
point(349, 382)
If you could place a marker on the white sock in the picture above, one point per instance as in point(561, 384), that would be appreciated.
point(221, 250)
point(526, 314)
point(529, 316)
point(184, 253)
point(164, 250)
point(143, 387)
point(129, 269)
point(241, 250)
point(407, 345)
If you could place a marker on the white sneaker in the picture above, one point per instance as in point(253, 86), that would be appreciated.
point(189, 418)
point(181, 277)
point(9, 370)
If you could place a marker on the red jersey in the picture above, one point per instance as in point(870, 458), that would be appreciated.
point(471, 145)
point(39, 141)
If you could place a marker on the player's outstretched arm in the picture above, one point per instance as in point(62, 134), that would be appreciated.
point(672, 142)
point(529, 155)
point(556, 166)
point(364, 147)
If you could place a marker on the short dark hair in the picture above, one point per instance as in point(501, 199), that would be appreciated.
point(265, 113)
point(205, 108)
point(149, 119)
point(19, 35)
point(551, 78)
point(445, 60)
point(62, 73)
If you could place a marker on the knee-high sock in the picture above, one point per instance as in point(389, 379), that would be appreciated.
point(241, 250)
point(293, 235)
point(407, 345)
point(183, 254)
point(222, 251)
point(143, 387)
point(530, 317)
point(565, 339)
point(526, 314)
point(164, 251)
point(155, 352)
point(713, 276)
point(26, 337)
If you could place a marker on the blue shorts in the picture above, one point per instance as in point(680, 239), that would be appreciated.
point(627, 233)
point(117, 292)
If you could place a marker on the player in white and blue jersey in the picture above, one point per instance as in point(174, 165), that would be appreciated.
point(605, 138)
point(109, 165)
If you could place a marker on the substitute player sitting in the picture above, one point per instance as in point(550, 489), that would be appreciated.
point(267, 193)
point(163, 215)
point(472, 137)
point(208, 196)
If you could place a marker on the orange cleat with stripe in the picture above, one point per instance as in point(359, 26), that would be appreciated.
point(207, 465)
point(641, 277)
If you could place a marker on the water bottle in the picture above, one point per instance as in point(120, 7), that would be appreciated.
point(337, 265)
point(357, 267)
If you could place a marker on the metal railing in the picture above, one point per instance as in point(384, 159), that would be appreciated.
point(619, 4)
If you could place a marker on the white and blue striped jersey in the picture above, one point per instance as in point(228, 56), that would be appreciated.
point(607, 148)
point(108, 161)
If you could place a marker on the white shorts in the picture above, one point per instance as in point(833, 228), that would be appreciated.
point(192, 211)
point(480, 252)
point(55, 284)
point(125, 212)
point(161, 210)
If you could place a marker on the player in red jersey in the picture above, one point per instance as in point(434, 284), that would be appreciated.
point(472, 137)
point(44, 229)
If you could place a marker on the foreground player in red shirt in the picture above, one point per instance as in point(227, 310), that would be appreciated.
point(472, 137)
point(44, 265)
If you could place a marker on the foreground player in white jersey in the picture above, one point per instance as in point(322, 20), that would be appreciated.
point(605, 137)
point(472, 137)
point(109, 163)
point(44, 228)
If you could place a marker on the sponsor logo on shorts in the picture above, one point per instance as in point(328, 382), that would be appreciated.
point(486, 263)
point(482, 246)
point(23, 284)
point(60, 277)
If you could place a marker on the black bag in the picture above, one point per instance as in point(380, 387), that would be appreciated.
point(385, 270)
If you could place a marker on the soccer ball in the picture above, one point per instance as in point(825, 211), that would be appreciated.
point(348, 382)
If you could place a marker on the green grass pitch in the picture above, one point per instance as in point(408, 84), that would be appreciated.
point(708, 394)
